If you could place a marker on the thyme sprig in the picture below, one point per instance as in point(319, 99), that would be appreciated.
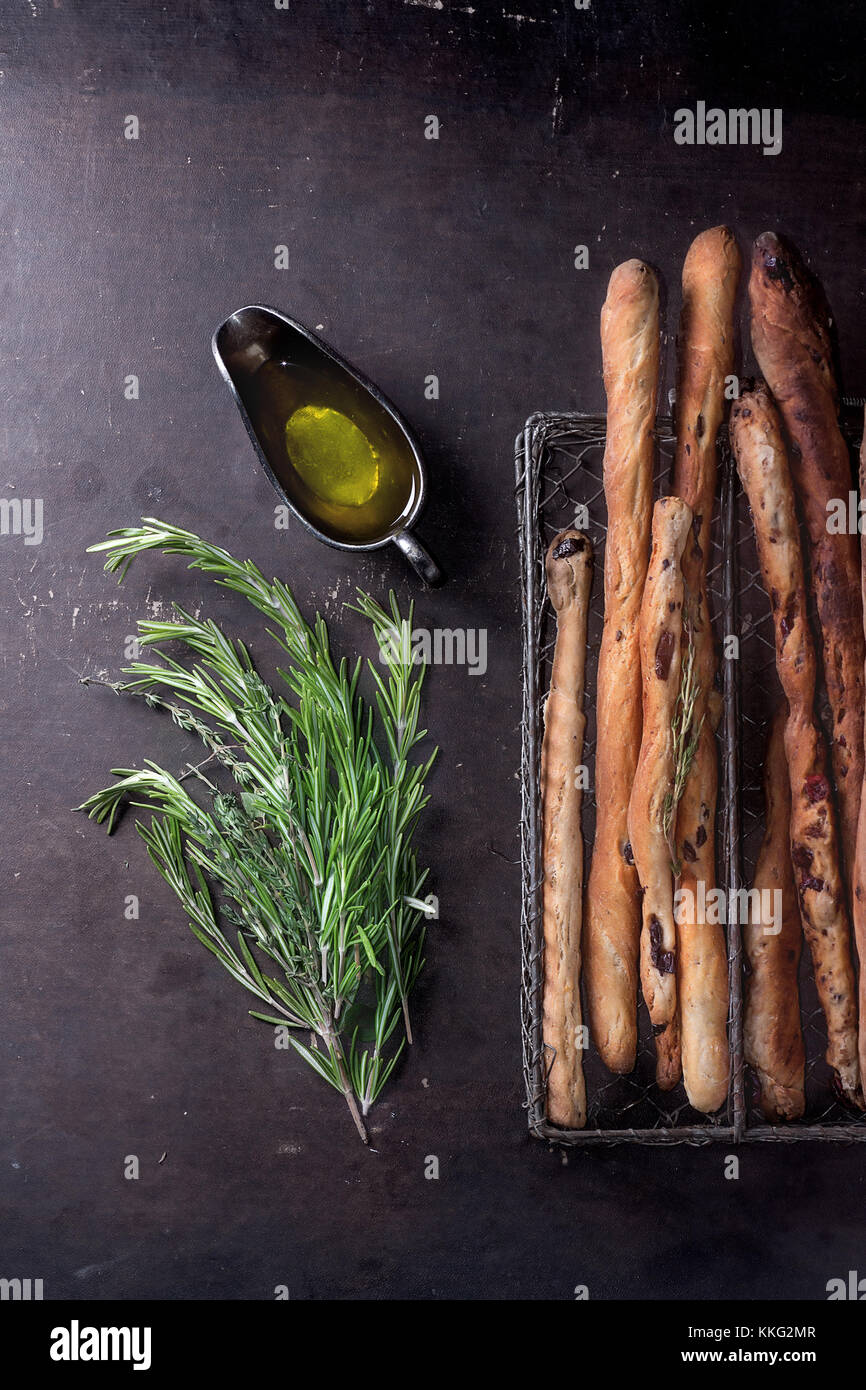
point(302, 879)
point(685, 735)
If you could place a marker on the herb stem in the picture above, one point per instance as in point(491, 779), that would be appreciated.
point(685, 737)
point(335, 1047)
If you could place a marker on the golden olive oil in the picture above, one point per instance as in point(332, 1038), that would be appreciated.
point(336, 461)
point(338, 455)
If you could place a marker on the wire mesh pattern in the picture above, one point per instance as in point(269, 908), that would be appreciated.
point(559, 483)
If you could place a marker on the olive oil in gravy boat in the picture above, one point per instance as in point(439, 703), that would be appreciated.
point(278, 371)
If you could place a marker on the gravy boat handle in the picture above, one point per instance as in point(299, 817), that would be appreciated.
point(419, 558)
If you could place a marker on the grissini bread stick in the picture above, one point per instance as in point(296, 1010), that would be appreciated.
point(569, 579)
point(612, 915)
point(763, 467)
point(791, 339)
point(705, 359)
point(702, 961)
point(661, 619)
point(859, 874)
point(773, 1034)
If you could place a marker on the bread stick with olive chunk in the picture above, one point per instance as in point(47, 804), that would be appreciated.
point(763, 466)
point(569, 579)
point(859, 871)
point(612, 913)
point(705, 348)
point(773, 1033)
point(791, 339)
point(651, 830)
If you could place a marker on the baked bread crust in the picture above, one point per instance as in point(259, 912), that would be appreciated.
point(705, 357)
point(859, 871)
point(763, 467)
point(661, 619)
point(706, 348)
point(773, 1033)
point(612, 919)
point(791, 339)
point(569, 579)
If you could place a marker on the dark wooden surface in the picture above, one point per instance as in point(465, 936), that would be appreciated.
point(454, 257)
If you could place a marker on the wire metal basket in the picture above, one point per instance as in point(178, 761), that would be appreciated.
point(558, 462)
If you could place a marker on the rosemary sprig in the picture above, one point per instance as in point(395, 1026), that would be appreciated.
point(685, 740)
point(302, 881)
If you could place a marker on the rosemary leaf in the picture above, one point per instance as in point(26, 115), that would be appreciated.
point(685, 739)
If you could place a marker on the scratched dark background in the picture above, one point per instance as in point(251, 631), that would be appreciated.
point(306, 127)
